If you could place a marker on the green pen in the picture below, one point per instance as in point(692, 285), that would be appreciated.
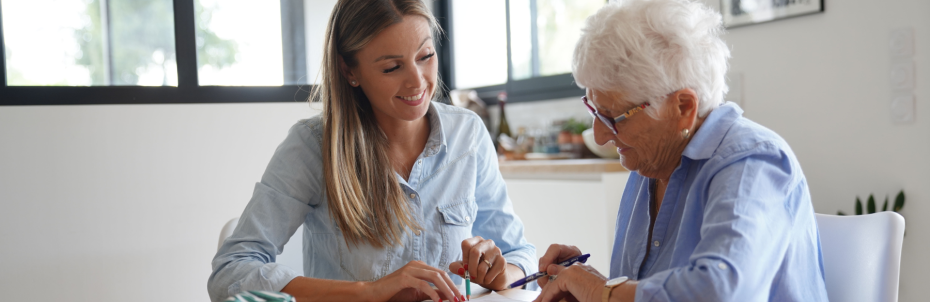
point(467, 286)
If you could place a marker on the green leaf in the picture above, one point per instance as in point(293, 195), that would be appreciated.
point(858, 206)
point(870, 206)
point(885, 207)
point(840, 213)
point(899, 201)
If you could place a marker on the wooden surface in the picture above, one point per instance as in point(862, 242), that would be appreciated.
point(594, 165)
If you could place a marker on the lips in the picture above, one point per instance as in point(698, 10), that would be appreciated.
point(413, 100)
point(623, 150)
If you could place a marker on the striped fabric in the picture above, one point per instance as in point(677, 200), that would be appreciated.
point(261, 296)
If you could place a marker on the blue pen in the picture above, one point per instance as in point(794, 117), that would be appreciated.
point(537, 275)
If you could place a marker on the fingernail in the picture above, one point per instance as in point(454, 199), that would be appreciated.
point(466, 266)
point(461, 271)
point(472, 279)
point(463, 297)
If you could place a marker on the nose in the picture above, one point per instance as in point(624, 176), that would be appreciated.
point(602, 134)
point(415, 78)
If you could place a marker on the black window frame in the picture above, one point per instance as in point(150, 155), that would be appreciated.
point(188, 90)
point(539, 88)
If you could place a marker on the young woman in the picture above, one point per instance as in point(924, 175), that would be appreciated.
point(391, 187)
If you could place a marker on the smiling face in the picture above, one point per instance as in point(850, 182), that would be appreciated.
point(651, 147)
point(397, 71)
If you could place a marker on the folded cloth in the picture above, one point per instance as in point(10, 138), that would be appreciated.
point(261, 296)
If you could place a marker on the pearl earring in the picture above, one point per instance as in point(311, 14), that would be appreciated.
point(685, 133)
point(354, 83)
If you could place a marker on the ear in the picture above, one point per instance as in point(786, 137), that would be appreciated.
point(685, 102)
point(346, 71)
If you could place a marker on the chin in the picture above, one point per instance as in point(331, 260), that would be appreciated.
point(414, 113)
point(628, 163)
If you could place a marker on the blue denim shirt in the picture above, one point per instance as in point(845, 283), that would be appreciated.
point(736, 222)
point(455, 189)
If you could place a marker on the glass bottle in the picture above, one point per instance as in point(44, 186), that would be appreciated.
point(504, 127)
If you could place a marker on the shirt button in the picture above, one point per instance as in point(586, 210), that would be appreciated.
point(656, 243)
point(722, 265)
point(420, 162)
point(413, 195)
point(467, 218)
point(418, 232)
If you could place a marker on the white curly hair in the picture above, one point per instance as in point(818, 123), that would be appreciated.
point(646, 49)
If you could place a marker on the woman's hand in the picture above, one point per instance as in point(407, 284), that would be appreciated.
point(412, 283)
point(554, 255)
point(578, 282)
point(485, 264)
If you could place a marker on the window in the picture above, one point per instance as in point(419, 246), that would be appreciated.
point(535, 38)
point(207, 51)
point(107, 42)
point(272, 48)
point(481, 48)
point(159, 51)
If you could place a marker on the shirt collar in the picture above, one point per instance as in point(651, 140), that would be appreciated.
point(436, 138)
point(711, 133)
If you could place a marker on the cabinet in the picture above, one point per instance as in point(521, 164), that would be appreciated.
point(569, 202)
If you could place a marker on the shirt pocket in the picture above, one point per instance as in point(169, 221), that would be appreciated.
point(456, 223)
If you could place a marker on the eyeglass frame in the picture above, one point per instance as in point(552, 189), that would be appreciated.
point(611, 122)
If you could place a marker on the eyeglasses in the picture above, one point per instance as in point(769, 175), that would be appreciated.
point(610, 122)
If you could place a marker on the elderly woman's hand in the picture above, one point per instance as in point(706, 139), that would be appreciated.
point(555, 254)
point(578, 282)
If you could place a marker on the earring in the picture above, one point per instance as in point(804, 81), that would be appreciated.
point(354, 83)
point(685, 133)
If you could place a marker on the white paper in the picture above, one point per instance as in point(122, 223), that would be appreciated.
point(495, 297)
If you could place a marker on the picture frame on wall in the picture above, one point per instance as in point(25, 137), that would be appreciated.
point(746, 12)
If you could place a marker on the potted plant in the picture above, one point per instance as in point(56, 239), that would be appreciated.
point(571, 136)
point(870, 205)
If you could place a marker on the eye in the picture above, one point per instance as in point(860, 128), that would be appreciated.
point(389, 70)
point(426, 57)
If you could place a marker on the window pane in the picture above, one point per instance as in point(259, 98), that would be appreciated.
point(559, 23)
point(521, 39)
point(89, 42)
point(480, 46)
point(317, 16)
point(239, 42)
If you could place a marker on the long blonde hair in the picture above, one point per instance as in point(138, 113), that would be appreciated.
point(365, 198)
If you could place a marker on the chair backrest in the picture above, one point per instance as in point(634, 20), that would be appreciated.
point(292, 256)
point(861, 255)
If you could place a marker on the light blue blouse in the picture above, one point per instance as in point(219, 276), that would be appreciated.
point(736, 222)
point(455, 190)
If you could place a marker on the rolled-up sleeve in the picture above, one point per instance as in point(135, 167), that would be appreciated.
point(751, 205)
point(280, 202)
point(496, 219)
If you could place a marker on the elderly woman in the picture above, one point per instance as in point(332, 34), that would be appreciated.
point(716, 207)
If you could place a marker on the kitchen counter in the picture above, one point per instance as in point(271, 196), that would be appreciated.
point(570, 201)
point(567, 169)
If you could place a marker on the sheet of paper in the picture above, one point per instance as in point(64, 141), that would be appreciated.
point(495, 297)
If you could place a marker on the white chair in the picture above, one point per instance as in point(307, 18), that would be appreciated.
point(862, 255)
point(292, 256)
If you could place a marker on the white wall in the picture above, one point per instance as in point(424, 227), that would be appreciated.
point(822, 82)
point(107, 202)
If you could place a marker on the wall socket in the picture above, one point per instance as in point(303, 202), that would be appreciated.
point(902, 108)
point(901, 75)
point(901, 42)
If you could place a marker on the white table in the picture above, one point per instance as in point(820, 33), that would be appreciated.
point(515, 293)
